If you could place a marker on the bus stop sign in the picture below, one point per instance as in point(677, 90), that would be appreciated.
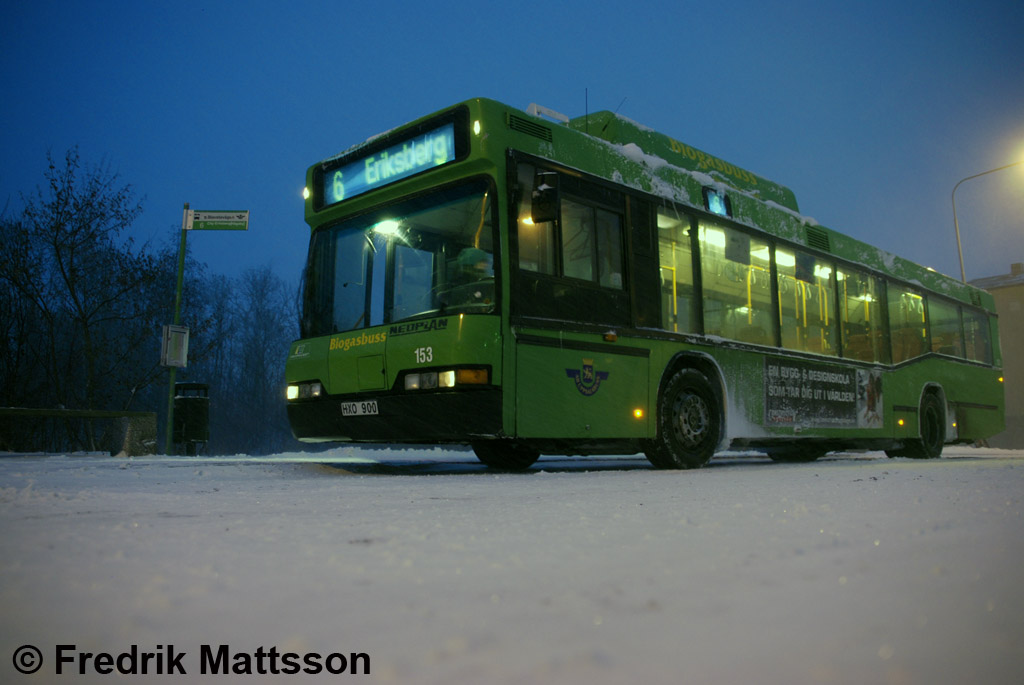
point(217, 220)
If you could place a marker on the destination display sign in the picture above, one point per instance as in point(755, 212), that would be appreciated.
point(401, 160)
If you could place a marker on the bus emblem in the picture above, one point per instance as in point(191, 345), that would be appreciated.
point(587, 380)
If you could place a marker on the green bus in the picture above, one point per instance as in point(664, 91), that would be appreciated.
point(525, 283)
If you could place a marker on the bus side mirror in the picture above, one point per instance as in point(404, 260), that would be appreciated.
point(544, 204)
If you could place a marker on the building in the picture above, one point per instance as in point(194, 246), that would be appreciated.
point(1008, 291)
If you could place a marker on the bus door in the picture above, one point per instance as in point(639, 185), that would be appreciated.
point(356, 356)
point(570, 257)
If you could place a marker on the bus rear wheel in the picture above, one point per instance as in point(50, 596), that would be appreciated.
point(505, 455)
point(933, 430)
point(689, 423)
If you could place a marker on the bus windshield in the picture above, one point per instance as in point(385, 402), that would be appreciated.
point(429, 255)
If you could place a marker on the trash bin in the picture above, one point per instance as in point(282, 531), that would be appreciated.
point(191, 416)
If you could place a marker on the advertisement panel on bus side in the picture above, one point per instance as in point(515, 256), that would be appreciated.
point(807, 394)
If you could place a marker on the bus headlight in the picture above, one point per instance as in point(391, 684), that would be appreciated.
point(447, 378)
point(421, 381)
point(304, 391)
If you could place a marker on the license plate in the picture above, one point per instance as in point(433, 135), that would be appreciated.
point(365, 408)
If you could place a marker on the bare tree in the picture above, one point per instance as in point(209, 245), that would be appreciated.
point(248, 330)
point(68, 263)
point(265, 330)
point(81, 309)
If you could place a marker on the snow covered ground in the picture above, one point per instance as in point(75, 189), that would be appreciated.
point(853, 569)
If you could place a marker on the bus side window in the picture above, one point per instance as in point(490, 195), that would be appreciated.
point(977, 333)
point(806, 297)
point(678, 308)
point(578, 245)
point(609, 248)
point(591, 244)
point(736, 283)
point(945, 325)
point(647, 300)
point(536, 239)
point(861, 316)
point(571, 267)
point(908, 324)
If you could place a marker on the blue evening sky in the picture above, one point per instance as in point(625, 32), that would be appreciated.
point(870, 111)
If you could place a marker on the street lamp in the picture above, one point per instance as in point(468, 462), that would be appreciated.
point(956, 224)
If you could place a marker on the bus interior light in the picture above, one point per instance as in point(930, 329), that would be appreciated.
point(785, 259)
point(386, 227)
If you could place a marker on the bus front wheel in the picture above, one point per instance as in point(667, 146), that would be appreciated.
point(505, 454)
point(689, 423)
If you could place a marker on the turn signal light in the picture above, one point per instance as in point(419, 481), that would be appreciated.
point(471, 377)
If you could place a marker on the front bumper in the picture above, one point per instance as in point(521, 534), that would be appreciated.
point(453, 416)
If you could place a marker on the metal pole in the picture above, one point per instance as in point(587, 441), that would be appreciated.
point(177, 321)
point(956, 223)
point(956, 227)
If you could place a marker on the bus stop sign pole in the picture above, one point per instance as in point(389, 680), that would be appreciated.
point(195, 220)
point(177, 322)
